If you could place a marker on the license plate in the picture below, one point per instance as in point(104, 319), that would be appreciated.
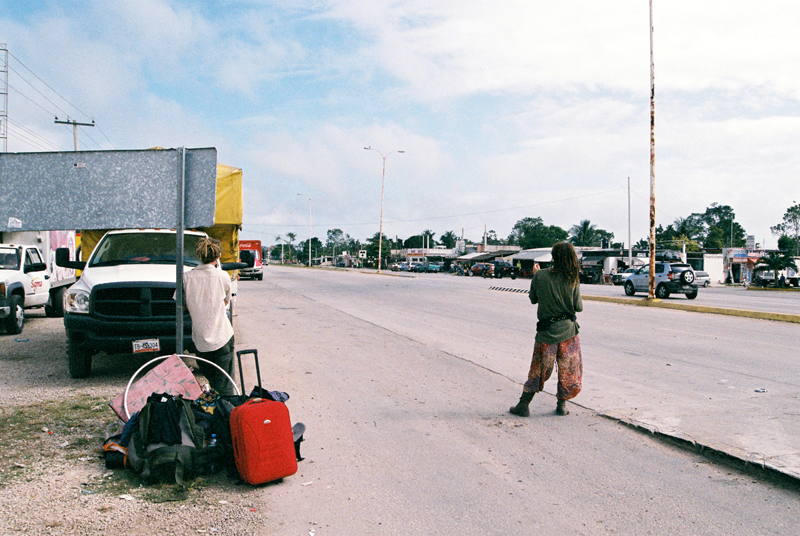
point(146, 345)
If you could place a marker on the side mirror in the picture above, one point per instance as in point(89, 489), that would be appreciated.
point(248, 257)
point(62, 260)
point(35, 267)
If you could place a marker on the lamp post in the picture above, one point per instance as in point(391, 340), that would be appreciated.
point(309, 229)
point(383, 182)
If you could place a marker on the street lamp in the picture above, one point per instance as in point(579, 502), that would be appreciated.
point(309, 229)
point(383, 182)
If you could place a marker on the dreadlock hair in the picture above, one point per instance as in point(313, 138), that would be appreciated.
point(565, 263)
point(208, 250)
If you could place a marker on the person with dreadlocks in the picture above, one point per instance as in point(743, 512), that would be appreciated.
point(557, 292)
point(207, 292)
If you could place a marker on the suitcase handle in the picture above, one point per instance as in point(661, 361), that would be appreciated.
point(241, 372)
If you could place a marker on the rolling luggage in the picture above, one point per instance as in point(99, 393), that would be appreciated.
point(263, 441)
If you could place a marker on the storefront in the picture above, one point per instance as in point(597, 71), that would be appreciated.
point(739, 263)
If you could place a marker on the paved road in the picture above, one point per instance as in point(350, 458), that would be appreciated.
point(405, 384)
point(733, 297)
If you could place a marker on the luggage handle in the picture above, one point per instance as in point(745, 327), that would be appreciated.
point(241, 372)
point(128, 387)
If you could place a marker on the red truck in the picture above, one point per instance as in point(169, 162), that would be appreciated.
point(257, 271)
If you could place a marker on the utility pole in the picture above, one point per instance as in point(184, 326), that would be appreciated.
point(630, 238)
point(75, 126)
point(4, 97)
point(651, 287)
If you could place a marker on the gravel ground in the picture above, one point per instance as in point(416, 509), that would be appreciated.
point(61, 486)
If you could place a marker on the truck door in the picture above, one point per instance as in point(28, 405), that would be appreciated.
point(39, 290)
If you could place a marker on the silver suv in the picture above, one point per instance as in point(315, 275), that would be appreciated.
point(671, 278)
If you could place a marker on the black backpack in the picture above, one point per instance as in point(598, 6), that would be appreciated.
point(167, 441)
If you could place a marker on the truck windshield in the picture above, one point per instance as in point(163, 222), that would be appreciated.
point(143, 248)
point(9, 259)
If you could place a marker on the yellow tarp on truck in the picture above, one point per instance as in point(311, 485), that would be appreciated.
point(228, 214)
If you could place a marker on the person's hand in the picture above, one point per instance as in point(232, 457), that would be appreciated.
point(535, 267)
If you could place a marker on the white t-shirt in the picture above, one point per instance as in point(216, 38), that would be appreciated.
point(205, 290)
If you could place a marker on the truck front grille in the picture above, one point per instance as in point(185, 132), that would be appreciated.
point(146, 301)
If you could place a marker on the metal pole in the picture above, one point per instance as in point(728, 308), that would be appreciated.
point(179, 256)
point(630, 237)
point(383, 183)
point(651, 294)
point(309, 229)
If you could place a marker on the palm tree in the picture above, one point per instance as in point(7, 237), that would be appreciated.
point(774, 262)
point(584, 234)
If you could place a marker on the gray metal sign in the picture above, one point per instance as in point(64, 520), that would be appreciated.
point(106, 189)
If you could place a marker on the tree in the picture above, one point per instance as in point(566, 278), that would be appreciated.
point(789, 229)
point(414, 242)
point(721, 228)
point(529, 233)
point(316, 249)
point(449, 239)
point(372, 247)
point(427, 238)
point(492, 239)
point(335, 241)
point(587, 234)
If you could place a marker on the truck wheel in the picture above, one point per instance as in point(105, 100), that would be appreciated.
point(80, 361)
point(16, 316)
point(57, 299)
point(662, 293)
point(513, 276)
point(629, 289)
point(691, 295)
point(260, 277)
point(687, 277)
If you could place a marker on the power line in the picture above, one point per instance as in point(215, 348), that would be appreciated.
point(48, 86)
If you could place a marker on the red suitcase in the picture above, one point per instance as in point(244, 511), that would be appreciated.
point(263, 442)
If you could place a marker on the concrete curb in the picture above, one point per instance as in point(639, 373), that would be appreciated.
point(762, 315)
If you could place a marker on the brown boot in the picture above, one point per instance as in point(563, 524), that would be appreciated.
point(521, 408)
point(561, 408)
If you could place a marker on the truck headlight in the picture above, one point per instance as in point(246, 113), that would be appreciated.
point(76, 301)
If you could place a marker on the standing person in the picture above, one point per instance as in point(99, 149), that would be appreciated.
point(557, 291)
point(207, 292)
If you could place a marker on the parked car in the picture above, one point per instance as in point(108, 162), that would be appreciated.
point(434, 267)
point(702, 279)
point(478, 268)
point(418, 267)
point(670, 278)
point(500, 269)
point(621, 277)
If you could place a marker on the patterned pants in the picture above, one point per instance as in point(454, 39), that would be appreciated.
point(570, 367)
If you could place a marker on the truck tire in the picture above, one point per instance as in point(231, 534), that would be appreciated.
point(513, 276)
point(662, 292)
point(687, 277)
point(57, 299)
point(16, 316)
point(691, 295)
point(260, 277)
point(80, 361)
point(630, 290)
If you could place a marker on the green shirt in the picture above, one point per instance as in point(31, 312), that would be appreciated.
point(555, 297)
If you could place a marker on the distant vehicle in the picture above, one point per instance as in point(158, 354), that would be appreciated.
point(419, 267)
point(619, 279)
point(257, 271)
point(434, 267)
point(500, 269)
point(670, 278)
point(478, 268)
point(702, 279)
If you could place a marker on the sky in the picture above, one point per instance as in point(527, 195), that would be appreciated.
point(505, 110)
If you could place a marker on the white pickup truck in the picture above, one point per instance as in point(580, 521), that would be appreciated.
point(24, 284)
